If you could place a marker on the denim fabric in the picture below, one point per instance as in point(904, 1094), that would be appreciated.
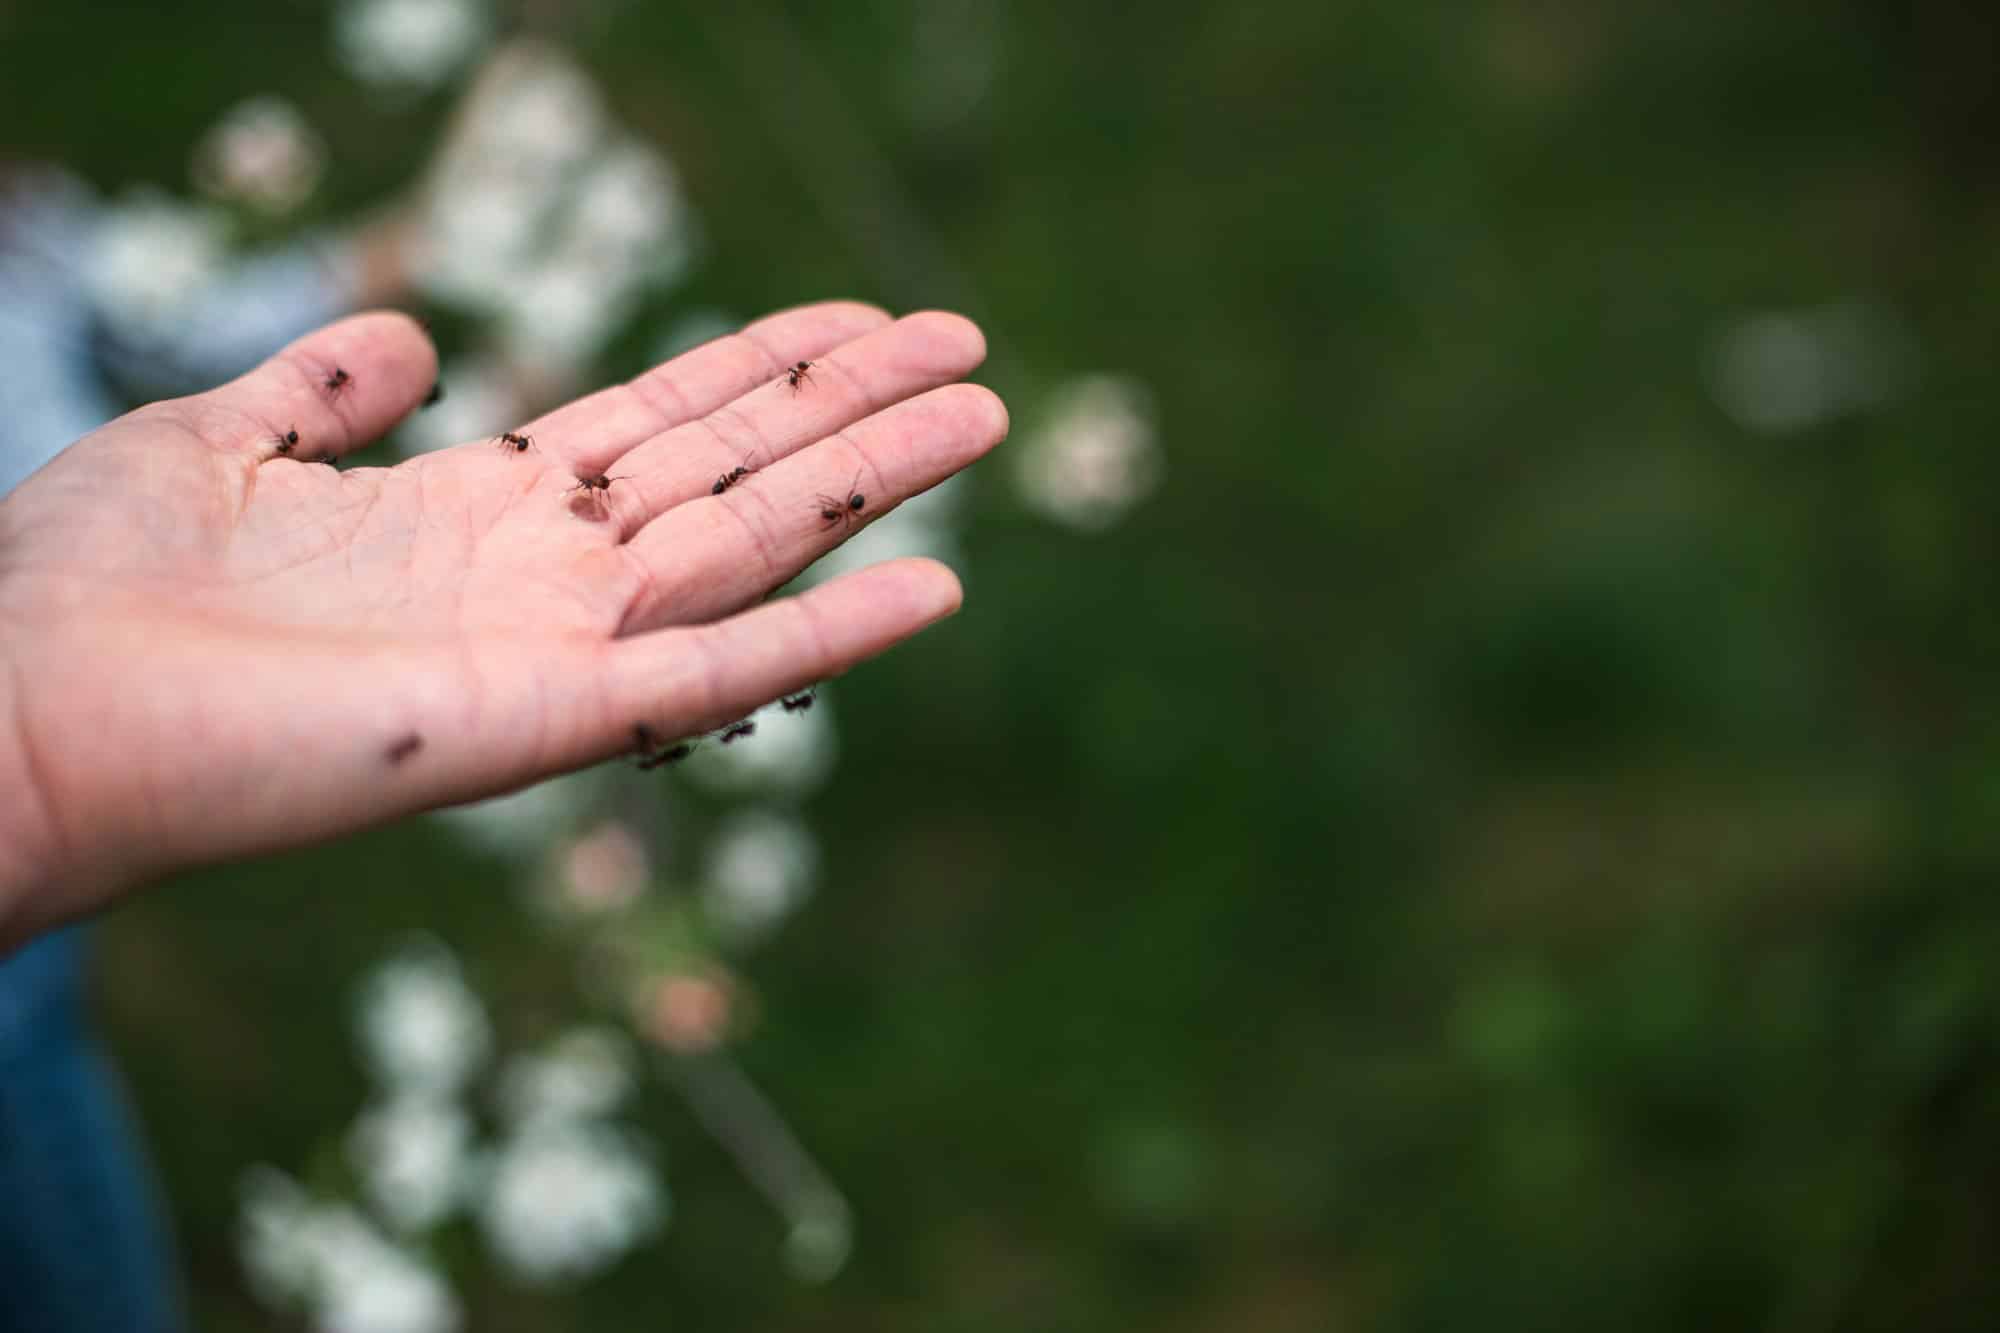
point(82, 1245)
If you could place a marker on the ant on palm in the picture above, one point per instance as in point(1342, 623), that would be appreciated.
point(836, 511)
point(597, 485)
point(520, 444)
point(737, 730)
point(798, 374)
point(287, 442)
point(337, 381)
point(798, 703)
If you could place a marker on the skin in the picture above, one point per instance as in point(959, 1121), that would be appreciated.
point(208, 650)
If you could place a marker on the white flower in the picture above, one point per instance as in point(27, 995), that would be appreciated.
point(790, 752)
point(567, 1201)
point(586, 1073)
point(629, 206)
point(532, 817)
point(149, 257)
point(276, 1251)
point(479, 402)
point(1783, 371)
point(366, 1284)
point(421, 1028)
point(1095, 455)
point(263, 154)
point(415, 43)
point(760, 869)
point(411, 1152)
point(330, 1259)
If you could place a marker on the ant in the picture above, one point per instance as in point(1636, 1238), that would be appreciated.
point(798, 374)
point(435, 396)
point(650, 755)
point(597, 484)
point(834, 511)
point(404, 748)
point(736, 730)
point(288, 441)
point(337, 381)
point(798, 703)
point(520, 444)
point(329, 458)
point(730, 478)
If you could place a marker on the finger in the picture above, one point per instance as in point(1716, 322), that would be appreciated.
point(700, 458)
point(719, 553)
point(337, 389)
point(592, 432)
point(681, 682)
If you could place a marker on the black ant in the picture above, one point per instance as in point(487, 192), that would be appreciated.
point(331, 459)
point(799, 374)
point(337, 381)
point(737, 730)
point(404, 748)
point(520, 444)
point(834, 511)
point(651, 755)
point(288, 441)
point(730, 478)
point(798, 703)
point(435, 396)
point(597, 484)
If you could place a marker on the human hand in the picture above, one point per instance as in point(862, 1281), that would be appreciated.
point(209, 648)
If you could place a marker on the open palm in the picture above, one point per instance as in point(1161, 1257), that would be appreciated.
point(215, 645)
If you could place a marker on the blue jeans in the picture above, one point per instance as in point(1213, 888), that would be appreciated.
point(82, 1242)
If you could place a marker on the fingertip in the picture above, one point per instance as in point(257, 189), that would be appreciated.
point(933, 589)
point(963, 342)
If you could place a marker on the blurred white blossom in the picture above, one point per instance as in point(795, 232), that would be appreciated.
point(334, 1262)
point(586, 1073)
point(479, 402)
point(411, 1151)
point(760, 868)
point(263, 154)
point(149, 257)
point(422, 1029)
point(1777, 372)
point(531, 818)
point(1095, 454)
point(790, 752)
point(411, 43)
point(566, 1201)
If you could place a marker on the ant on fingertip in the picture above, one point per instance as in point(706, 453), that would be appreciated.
point(737, 730)
point(520, 444)
point(798, 703)
point(836, 511)
point(435, 396)
point(798, 374)
point(337, 381)
point(287, 442)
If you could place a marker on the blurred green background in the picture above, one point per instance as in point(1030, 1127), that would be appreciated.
point(1495, 838)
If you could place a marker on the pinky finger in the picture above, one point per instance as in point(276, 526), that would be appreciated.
point(678, 682)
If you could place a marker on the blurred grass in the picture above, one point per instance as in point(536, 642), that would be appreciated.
point(1490, 840)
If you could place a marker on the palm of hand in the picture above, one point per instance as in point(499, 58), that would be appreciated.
point(213, 648)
